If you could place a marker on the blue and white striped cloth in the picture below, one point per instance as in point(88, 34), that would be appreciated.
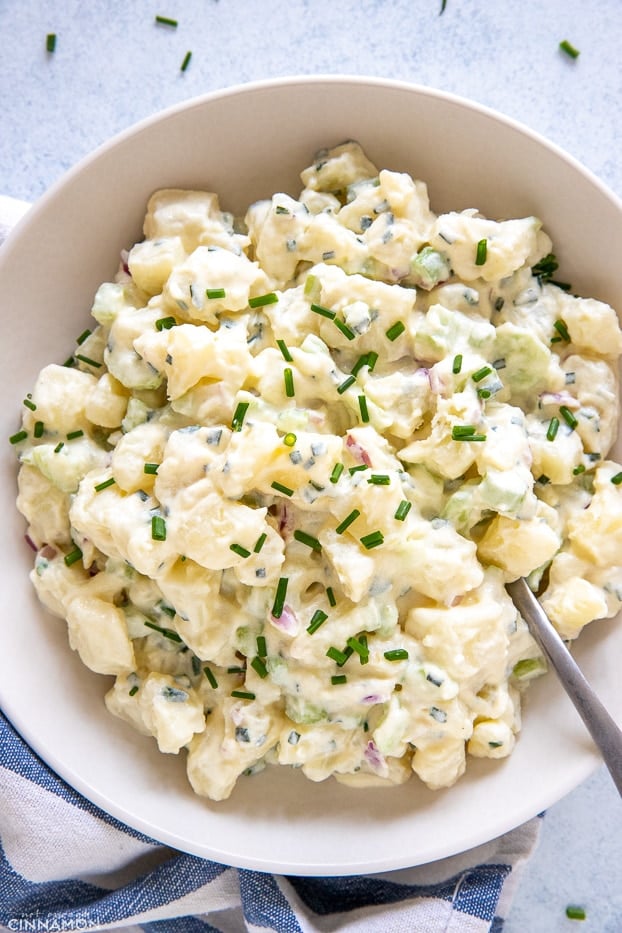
point(65, 865)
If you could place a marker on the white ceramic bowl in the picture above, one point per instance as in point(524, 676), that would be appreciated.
point(246, 143)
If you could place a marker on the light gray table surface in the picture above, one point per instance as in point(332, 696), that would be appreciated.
point(113, 65)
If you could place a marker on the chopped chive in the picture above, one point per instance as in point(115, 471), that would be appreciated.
point(215, 293)
point(289, 439)
point(238, 416)
point(470, 437)
point(574, 912)
point(262, 649)
point(460, 431)
point(372, 540)
point(261, 300)
point(360, 646)
point(309, 540)
point(69, 361)
point(210, 677)
point(288, 377)
point(166, 21)
point(38, 429)
point(158, 528)
point(354, 514)
point(338, 679)
point(165, 632)
point(236, 669)
point(134, 690)
point(357, 469)
point(343, 327)
point(186, 61)
point(336, 472)
point(402, 510)
point(379, 479)
point(50, 42)
point(73, 556)
point(484, 393)
point(317, 619)
point(167, 610)
point(339, 657)
point(85, 333)
point(151, 468)
point(88, 360)
point(74, 434)
point(330, 595)
point(349, 381)
point(105, 484)
point(59, 447)
point(552, 429)
point(19, 436)
point(259, 667)
point(239, 550)
point(243, 694)
point(259, 543)
point(284, 350)
point(617, 479)
point(279, 487)
point(366, 359)
point(579, 469)
point(568, 416)
point(562, 329)
point(363, 409)
point(543, 479)
point(457, 364)
point(569, 49)
point(324, 312)
point(279, 597)
point(481, 373)
point(165, 323)
point(396, 654)
point(481, 252)
point(29, 404)
point(395, 330)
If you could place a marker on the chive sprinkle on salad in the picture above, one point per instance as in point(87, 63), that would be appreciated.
point(481, 252)
point(158, 528)
point(279, 597)
point(261, 300)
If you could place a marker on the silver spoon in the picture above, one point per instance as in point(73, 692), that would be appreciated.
point(604, 731)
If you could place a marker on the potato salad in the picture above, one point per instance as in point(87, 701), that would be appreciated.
point(278, 488)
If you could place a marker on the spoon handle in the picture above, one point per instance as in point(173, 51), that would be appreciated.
point(601, 726)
